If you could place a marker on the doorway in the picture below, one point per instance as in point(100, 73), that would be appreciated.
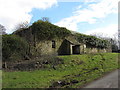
point(76, 49)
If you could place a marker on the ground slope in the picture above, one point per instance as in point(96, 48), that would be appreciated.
point(75, 71)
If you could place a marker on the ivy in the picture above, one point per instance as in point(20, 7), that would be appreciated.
point(92, 40)
point(45, 30)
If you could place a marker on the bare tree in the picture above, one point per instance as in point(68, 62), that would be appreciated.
point(22, 25)
point(113, 40)
point(100, 35)
point(2, 30)
point(119, 39)
point(45, 19)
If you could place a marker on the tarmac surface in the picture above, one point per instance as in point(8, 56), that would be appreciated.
point(108, 81)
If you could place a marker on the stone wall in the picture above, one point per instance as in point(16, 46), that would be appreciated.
point(62, 47)
point(96, 50)
point(45, 47)
point(82, 48)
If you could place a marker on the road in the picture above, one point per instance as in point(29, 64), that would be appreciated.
point(108, 81)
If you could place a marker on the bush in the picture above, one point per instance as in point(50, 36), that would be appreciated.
point(44, 30)
point(14, 47)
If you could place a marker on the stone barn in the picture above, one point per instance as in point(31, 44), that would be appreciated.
point(59, 46)
point(69, 47)
point(66, 46)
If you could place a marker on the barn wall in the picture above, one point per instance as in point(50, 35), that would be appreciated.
point(45, 47)
point(63, 47)
point(96, 50)
point(82, 48)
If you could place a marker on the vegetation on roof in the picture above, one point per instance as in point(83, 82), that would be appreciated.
point(44, 30)
point(15, 46)
point(92, 40)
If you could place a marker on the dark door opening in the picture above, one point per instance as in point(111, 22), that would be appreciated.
point(76, 49)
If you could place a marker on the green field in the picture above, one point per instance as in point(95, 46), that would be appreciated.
point(75, 71)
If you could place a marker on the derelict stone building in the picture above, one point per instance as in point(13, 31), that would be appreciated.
point(57, 46)
point(66, 46)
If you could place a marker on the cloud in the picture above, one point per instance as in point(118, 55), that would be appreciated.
point(13, 12)
point(90, 14)
point(108, 31)
point(86, 1)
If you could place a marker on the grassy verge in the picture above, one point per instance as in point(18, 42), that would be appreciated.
point(75, 71)
point(0, 79)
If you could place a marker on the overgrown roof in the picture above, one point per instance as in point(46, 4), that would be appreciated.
point(43, 30)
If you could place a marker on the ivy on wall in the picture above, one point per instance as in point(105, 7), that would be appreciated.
point(43, 30)
point(92, 40)
point(15, 47)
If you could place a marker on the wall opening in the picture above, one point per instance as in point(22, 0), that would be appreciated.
point(53, 43)
point(76, 49)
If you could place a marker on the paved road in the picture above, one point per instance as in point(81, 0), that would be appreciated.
point(108, 81)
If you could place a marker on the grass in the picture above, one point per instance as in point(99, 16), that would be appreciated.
point(76, 71)
point(0, 79)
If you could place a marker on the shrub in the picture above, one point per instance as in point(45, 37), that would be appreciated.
point(14, 47)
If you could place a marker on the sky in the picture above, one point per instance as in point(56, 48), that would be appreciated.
point(84, 16)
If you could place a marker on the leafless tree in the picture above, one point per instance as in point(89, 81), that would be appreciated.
point(2, 30)
point(100, 35)
point(119, 39)
point(22, 25)
point(113, 40)
point(45, 19)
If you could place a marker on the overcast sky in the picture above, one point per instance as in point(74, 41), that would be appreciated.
point(84, 16)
